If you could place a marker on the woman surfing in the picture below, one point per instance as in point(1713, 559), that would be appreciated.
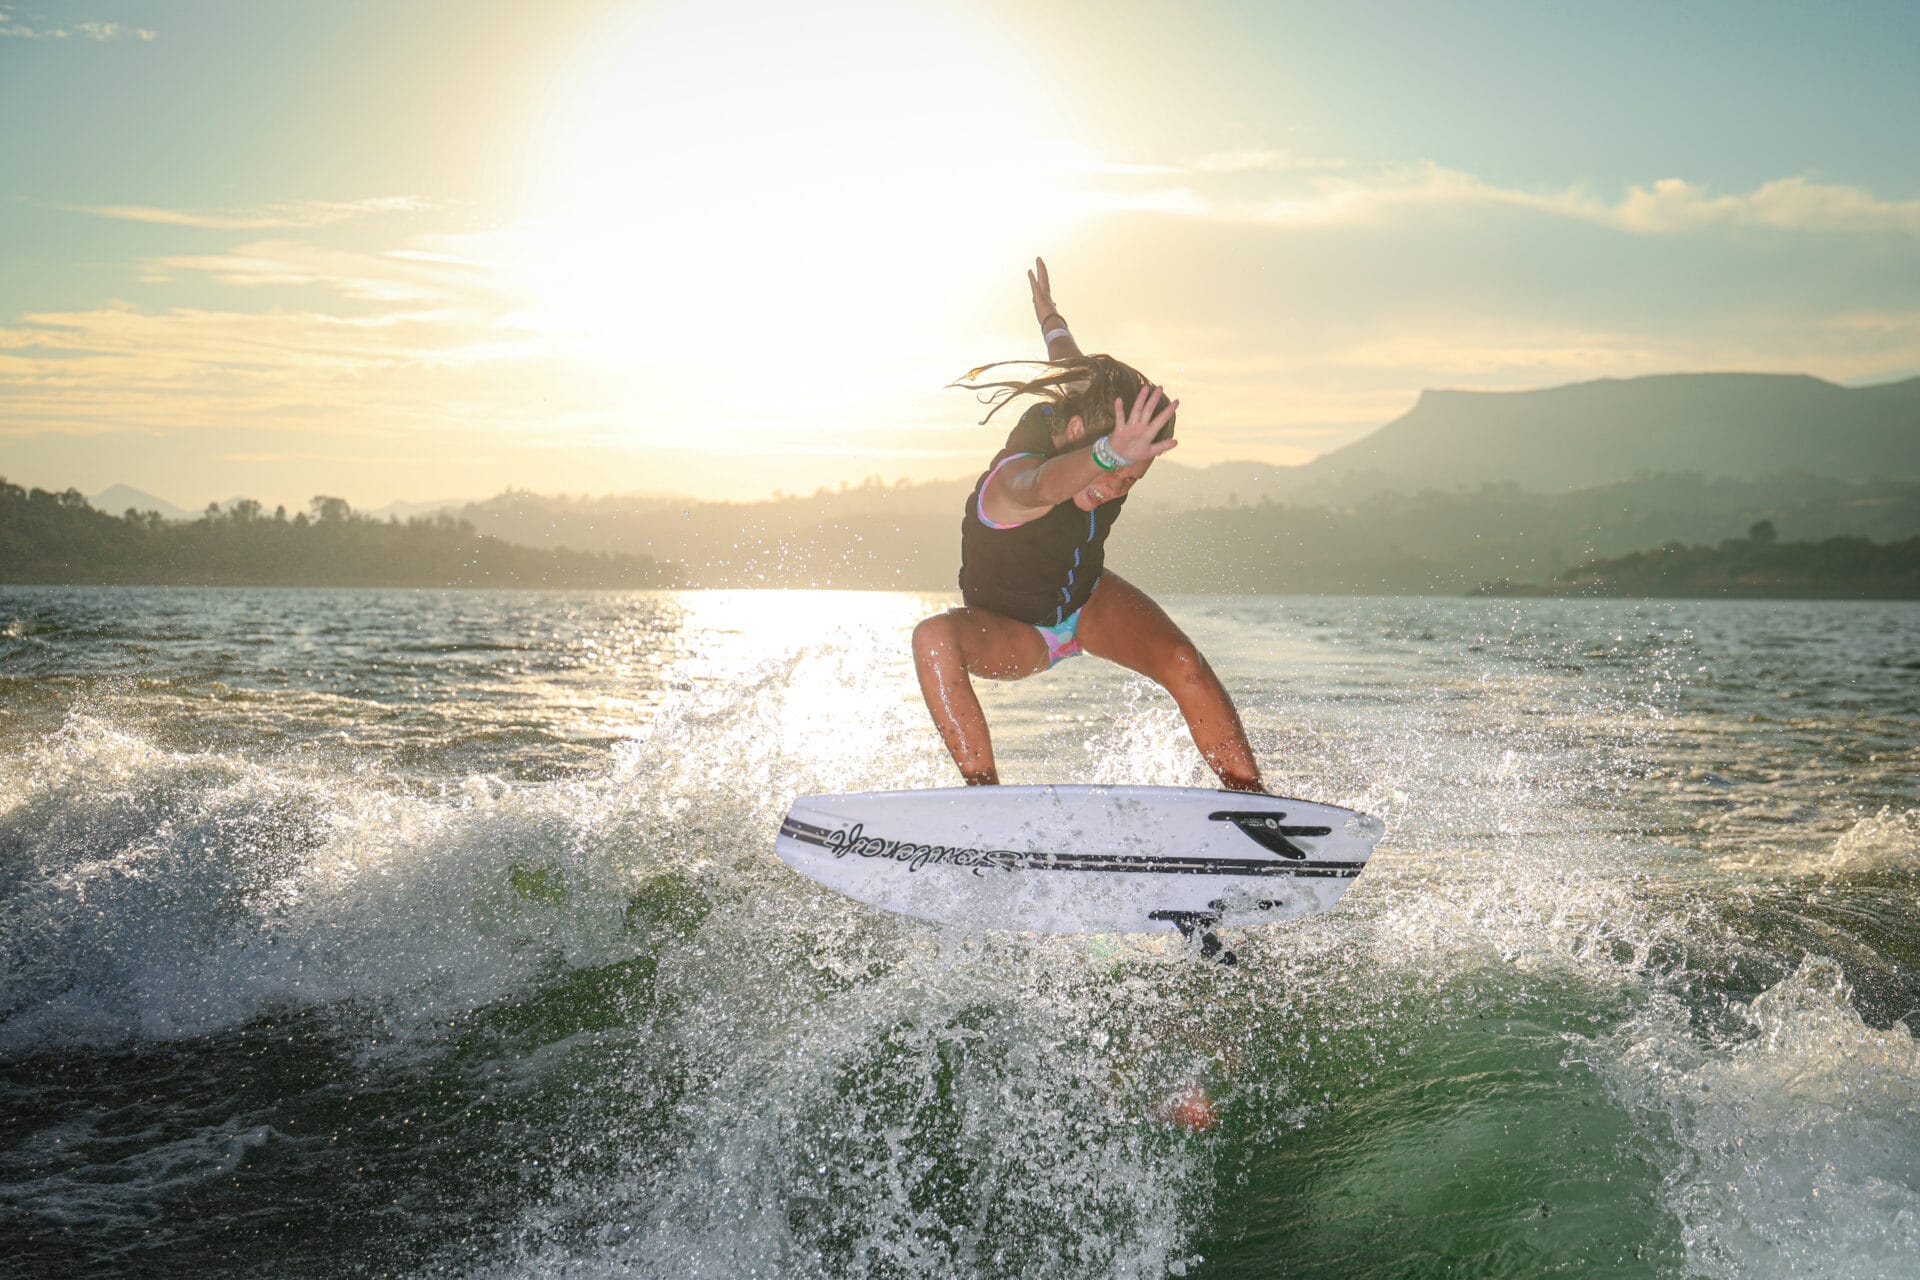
point(1033, 573)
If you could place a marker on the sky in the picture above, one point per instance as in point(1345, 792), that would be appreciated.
point(430, 249)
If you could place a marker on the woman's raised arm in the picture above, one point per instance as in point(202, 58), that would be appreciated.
point(1053, 326)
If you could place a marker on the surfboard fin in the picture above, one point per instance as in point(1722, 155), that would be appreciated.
point(1266, 830)
point(1192, 923)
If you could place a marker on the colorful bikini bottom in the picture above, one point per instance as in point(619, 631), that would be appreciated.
point(1061, 642)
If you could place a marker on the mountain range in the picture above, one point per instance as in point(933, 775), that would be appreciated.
point(1742, 425)
point(1463, 488)
point(124, 497)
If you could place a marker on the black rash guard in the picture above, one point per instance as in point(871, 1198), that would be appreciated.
point(1042, 571)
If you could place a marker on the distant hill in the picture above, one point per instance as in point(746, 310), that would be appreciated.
point(404, 510)
point(1714, 424)
point(124, 497)
point(1465, 488)
point(907, 536)
point(867, 535)
point(1754, 567)
point(121, 498)
point(1177, 487)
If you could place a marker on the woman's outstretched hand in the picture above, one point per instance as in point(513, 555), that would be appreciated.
point(1042, 292)
point(1135, 428)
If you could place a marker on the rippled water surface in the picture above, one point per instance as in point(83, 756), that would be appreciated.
point(405, 933)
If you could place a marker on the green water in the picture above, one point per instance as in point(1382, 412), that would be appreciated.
point(419, 934)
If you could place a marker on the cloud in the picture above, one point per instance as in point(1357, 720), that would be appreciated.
point(283, 214)
point(11, 27)
point(113, 31)
point(1329, 193)
point(1242, 160)
point(1264, 160)
point(1673, 205)
point(398, 276)
point(411, 341)
point(370, 459)
point(121, 367)
point(325, 346)
point(1452, 350)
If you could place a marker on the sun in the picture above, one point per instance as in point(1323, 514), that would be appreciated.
point(736, 198)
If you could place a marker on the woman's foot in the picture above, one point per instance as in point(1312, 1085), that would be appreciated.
point(1189, 1107)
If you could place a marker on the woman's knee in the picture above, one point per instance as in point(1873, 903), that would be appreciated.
point(1183, 657)
point(935, 638)
point(1181, 665)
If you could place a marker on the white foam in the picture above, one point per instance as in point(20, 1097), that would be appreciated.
point(1795, 1142)
point(1884, 841)
point(130, 1190)
point(152, 894)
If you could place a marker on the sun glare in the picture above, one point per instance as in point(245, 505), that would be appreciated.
point(788, 180)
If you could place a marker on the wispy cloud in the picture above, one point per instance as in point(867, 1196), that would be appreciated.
point(121, 367)
point(409, 276)
point(291, 214)
point(113, 31)
point(329, 344)
point(369, 459)
point(1321, 193)
point(1241, 160)
point(17, 26)
point(1496, 352)
point(1265, 160)
point(1791, 204)
point(414, 340)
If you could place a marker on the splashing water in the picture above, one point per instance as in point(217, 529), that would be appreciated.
point(403, 931)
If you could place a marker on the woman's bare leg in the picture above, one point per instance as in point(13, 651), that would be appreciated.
point(949, 646)
point(1122, 624)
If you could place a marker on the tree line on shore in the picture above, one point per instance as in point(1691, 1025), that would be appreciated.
point(1196, 530)
point(1758, 566)
point(50, 537)
point(906, 537)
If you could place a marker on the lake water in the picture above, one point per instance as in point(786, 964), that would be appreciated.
point(422, 933)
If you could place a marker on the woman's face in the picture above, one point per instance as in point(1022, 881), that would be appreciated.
point(1109, 484)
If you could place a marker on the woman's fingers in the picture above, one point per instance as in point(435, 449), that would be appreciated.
point(1147, 416)
point(1143, 402)
point(1164, 416)
point(1147, 447)
point(1042, 290)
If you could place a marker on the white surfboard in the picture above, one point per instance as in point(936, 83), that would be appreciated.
point(1078, 859)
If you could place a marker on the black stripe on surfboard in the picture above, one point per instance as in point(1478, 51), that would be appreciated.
point(1182, 866)
point(1137, 864)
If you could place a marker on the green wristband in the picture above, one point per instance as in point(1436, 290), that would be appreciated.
point(1105, 458)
